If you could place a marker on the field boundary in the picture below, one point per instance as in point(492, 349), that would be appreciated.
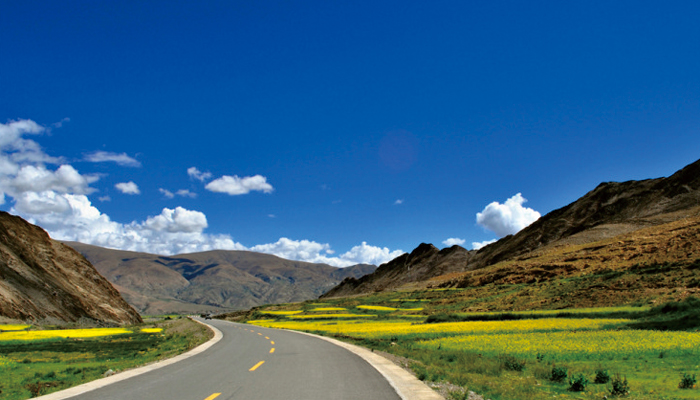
point(102, 382)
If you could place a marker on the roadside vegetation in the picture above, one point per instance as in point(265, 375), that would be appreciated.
point(639, 352)
point(39, 360)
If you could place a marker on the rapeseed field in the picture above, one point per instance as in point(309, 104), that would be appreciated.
point(518, 355)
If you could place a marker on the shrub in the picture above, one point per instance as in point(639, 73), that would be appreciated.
point(511, 363)
point(578, 383)
point(620, 386)
point(601, 376)
point(687, 381)
point(559, 374)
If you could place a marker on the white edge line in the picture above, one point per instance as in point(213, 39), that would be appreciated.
point(102, 382)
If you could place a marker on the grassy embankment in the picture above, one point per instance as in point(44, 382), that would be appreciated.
point(34, 362)
point(647, 352)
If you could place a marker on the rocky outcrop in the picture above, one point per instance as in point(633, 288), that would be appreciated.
point(611, 209)
point(42, 280)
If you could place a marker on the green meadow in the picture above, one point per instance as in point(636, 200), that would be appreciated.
point(35, 366)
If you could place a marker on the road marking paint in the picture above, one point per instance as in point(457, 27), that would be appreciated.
point(213, 396)
point(259, 333)
point(256, 366)
point(272, 342)
point(272, 350)
point(267, 338)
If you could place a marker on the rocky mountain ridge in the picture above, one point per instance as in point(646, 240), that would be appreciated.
point(214, 281)
point(42, 280)
point(609, 210)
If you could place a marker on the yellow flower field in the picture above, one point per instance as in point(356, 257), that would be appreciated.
point(574, 344)
point(281, 312)
point(64, 333)
point(397, 328)
point(7, 328)
point(320, 316)
point(377, 308)
point(329, 309)
point(152, 330)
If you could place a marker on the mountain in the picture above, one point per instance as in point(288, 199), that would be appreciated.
point(42, 280)
point(610, 210)
point(214, 280)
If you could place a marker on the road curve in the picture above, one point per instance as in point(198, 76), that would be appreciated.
point(257, 363)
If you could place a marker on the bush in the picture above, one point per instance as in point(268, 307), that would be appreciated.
point(601, 376)
point(620, 386)
point(559, 374)
point(511, 363)
point(578, 384)
point(687, 381)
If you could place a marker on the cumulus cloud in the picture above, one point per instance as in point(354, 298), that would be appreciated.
point(234, 185)
point(121, 159)
point(310, 251)
point(182, 193)
point(508, 218)
point(193, 172)
point(128, 187)
point(16, 150)
point(186, 193)
point(453, 241)
point(177, 220)
point(57, 200)
point(478, 245)
point(398, 201)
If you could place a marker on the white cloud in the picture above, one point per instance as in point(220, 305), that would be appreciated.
point(310, 251)
point(128, 187)
point(177, 220)
point(57, 201)
point(193, 172)
point(366, 254)
point(121, 159)
point(478, 245)
point(186, 193)
point(65, 179)
point(508, 218)
point(235, 185)
point(453, 241)
point(19, 151)
point(182, 193)
point(399, 201)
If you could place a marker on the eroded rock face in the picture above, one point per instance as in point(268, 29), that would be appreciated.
point(44, 280)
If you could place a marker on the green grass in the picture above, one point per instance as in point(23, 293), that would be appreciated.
point(30, 369)
point(651, 375)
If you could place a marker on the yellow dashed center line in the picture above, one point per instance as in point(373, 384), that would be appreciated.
point(272, 350)
point(259, 333)
point(267, 338)
point(256, 366)
point(213, 396)
point(272, 342)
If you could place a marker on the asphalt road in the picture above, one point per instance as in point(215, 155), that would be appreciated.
point(257, 363)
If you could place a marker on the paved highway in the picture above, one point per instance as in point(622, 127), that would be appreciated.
point(251, 363)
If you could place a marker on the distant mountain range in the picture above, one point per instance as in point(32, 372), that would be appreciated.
point(45, 281)
point(214, 280)
point(611, 210)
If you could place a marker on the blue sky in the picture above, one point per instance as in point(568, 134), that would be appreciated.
point(338, 132)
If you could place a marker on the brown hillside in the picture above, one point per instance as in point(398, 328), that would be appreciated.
point(42, 280)
point(214, 280)
point(610, 210)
